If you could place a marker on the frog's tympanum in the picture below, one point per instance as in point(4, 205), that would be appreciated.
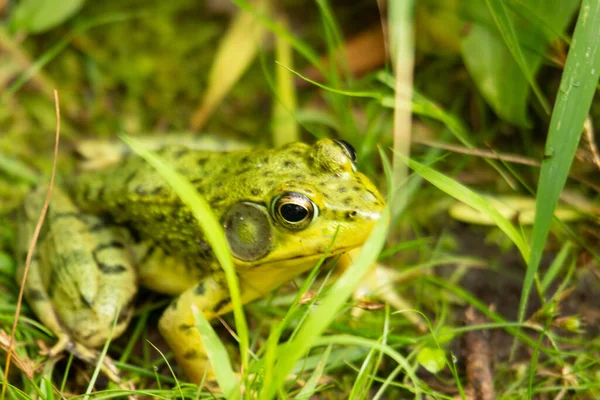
point(281, 210)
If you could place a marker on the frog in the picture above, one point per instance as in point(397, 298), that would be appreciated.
point(111, 231)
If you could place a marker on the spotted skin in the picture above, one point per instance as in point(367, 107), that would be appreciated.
point(271, 241)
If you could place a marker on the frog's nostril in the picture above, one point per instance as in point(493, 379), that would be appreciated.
point(351, 214)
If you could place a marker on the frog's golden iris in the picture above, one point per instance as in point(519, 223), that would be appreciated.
point(280, 209)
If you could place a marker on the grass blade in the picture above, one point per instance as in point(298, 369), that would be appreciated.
point(211, 229)
point(505, 25)
point(217, 354)
point(474, 200)
point(577, 88)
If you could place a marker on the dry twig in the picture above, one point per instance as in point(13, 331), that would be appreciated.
point(34, 239)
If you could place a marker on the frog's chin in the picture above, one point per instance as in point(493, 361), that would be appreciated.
point(300, 263)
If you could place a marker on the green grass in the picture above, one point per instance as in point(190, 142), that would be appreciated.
point(515, 76)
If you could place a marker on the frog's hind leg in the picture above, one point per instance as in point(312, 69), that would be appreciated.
point(80, 279)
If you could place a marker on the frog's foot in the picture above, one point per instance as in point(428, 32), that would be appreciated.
point(92, 357)
point(379, 282)
point(63, 343)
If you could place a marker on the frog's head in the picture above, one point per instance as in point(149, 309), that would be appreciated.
point(310, 196)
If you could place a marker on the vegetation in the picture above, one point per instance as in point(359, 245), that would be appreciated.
point(490, 242)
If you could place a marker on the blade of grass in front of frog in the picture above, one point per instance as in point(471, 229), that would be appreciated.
point(270, 358)
point(349, 340)
point(310, 387)
point(214, 234)
point(102, 356)
point(170, 369)
point(217, 354)
point(472, 199)
point(577, 88)
point(283, 122)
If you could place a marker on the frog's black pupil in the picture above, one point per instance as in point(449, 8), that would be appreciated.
point(293, 212)
point(349, 149)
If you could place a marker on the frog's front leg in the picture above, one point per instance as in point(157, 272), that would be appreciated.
point(81, 278)
point(211, 297)
point(178, 327)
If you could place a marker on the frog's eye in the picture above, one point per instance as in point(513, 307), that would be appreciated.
point(348, 149)
point(294, 211)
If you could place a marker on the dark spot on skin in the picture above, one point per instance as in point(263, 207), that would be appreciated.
point(217, 199)
point(289, 164)
point(221, 304)
point(185, 327)
point(91, 334)
point(130, 178)
point(202, 162)
point(181, 152)
point(326, 196)
point(219, 185)
point(140, 190)
point(244, 160)
point(121, 205)
point(342, 189)
point(255, 192)
point(135, 235)
point(356, 188)
point(84, 300)
point(124, 316)
point(265, 160)
point(188, 217)
point(323, 184)
point(270, 183)
point(300, 177)
point(160, 218)
point(101, 193)
point(297, 153)
point(111, 269)
point(157, 190)
point(97, 227)
point(200, 289)
point(86, 192)
point(197, 181)
point(34, 295)
point(191, 355)
point(225, 171)
point(115, 244)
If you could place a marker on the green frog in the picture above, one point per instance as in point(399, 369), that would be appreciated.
point(124, 226)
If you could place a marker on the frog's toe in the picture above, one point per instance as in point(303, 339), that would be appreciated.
point(92, 357)
point(379, 282)
point(63, 343)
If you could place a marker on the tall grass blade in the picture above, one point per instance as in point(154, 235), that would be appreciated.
point(505, 25)
point(577, 88)
point(211, 229)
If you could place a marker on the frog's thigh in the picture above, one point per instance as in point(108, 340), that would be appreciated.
point(39, 301)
